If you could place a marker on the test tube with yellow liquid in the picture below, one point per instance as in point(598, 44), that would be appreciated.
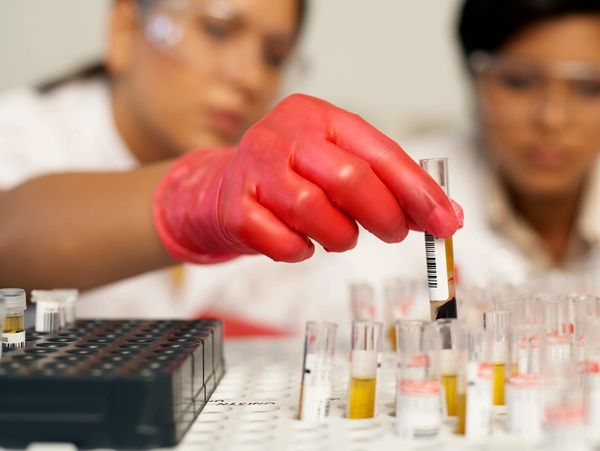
point(448, 334)
point(364, 361)
point(497, 323)
point(440, 253)
point(13, 334)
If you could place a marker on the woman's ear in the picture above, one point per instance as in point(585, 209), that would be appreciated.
point(122, 28)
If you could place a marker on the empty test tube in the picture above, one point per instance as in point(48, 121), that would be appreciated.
point(399, 295)
point(475, 380)
point(364, 362)
point(69, 298)
point(317, 374)
point(555, 314)
point(418, 388)
point(13, 335)
point(362, 302)
point(49, 311)
point(440, 253)
point(523, 388)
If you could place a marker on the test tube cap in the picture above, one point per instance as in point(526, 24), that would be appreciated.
point(14, 298)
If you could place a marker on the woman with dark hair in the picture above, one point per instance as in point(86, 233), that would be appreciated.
point(528, 179)
point(181, 75)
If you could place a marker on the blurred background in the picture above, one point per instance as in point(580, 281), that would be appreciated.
point(394, 62)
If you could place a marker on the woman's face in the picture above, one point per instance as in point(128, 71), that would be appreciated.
point(200, 72)
point(540, 106)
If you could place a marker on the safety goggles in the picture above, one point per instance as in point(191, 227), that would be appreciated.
point(511, 90)
point(213, 35)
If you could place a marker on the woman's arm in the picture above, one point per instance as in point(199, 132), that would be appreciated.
point(81, 229)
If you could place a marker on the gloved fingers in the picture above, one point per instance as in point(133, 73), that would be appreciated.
point(412, 225)
point(305, 208)
point(352, 186)
point(257, 228)
point(418, 194)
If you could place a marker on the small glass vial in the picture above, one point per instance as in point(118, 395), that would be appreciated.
point(2, 314)
point(13, 335)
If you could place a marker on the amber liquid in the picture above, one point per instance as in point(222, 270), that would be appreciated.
point(499, 377)
point(361, 398)
point(446, 308)
point(461, 411)
point(13, 325)
point(392, 337)
point(449, 383)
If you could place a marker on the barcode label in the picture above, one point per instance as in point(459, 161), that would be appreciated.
point(437, 270)
point(47, 317)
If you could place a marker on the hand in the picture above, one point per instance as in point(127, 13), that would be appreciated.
point(308, 171)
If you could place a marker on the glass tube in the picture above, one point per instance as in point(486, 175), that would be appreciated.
point(591, 379)
point(448, 334)
point(474, 399)
point(400, 297)
point(555, 314)
point(13, 335)
point(523, 388)
point(317, 373)
point(364, 362)
point(497, 323)
point(362, 302)
point(440, 253)
point(584, 307)
point(70, 296)
point(418, 385)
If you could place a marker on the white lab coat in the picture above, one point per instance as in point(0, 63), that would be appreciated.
point(72, 129)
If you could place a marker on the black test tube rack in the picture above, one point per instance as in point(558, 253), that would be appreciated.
point(129, 384)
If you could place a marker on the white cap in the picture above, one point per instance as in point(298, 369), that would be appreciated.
point(41, 295)
point(14, 298)
point(2, 306)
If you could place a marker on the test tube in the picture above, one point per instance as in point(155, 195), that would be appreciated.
point(448, 333)
point(362, 302)
point(49, 311)
point(2, 314)
point(400, 296)
point(69, 297)
point(440, 254)
point(523, 388)
point(364, 361)
point(584, 308)
point(497, 322)
point(474, 399)
point(317, 374)
point(554, 311)
point(418, 388)
point(13, 335)
point(591, 379)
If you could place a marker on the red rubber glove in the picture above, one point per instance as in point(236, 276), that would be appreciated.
point(307, 171)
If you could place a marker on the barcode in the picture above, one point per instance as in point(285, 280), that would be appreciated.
point(432, 280)
point(51, 321)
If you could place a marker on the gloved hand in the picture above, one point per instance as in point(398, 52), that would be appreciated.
point(306, 171)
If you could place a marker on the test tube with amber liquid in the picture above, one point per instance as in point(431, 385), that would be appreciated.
point(364, 359)
point(13, 334)
point(497, 323)
point(440, 253)
point(450, 344)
